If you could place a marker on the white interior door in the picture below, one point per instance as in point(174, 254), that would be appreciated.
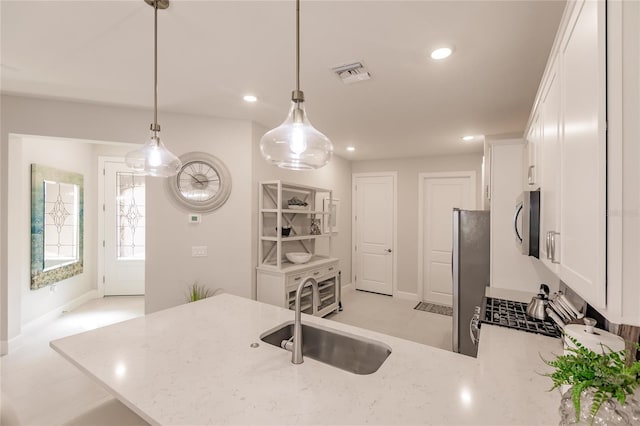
point(440, 193)
point(124, 230)
point(374, 233)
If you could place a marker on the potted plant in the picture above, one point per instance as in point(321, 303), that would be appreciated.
point(602, 385)
point(197, 292)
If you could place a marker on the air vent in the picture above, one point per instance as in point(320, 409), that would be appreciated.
point(352, 73)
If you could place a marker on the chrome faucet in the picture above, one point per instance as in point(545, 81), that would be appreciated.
point(296, 351)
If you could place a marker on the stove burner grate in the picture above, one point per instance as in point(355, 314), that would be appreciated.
point(507, 313)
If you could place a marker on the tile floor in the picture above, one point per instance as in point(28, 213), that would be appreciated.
point(44, 389)
point(396, 317)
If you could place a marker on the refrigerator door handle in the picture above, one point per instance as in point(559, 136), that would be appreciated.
point(473, 325)
point(515, 221)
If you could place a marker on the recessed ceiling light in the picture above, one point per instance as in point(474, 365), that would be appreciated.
point(441, 53)
point(250, 98)
point(468, 138)
point(351, 148)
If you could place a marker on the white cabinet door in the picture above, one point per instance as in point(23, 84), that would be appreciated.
point(623, 163)
point(549, 119)
point(532, 155)
point(582, 243)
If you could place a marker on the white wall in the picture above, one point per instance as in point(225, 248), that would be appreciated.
point(226, 231)
point(509, 268)
point(65, 155)
point(408, 170)
point(169, 266)
point(336, 176)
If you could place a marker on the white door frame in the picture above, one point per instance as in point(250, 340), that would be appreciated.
point(354, 178)
point(101, 202)
point(422, 177)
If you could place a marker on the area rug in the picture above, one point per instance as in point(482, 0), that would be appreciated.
point(433, 308)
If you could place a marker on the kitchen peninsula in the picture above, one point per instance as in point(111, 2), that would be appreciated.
point(194, 364)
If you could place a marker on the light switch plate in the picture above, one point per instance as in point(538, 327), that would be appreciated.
point(195, 218)
point(198, 251)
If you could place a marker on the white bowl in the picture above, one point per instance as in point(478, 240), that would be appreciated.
point(298, 257)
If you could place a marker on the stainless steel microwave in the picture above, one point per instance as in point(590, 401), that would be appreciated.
point(526, 223)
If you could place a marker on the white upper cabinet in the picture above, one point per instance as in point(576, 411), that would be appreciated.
point(550, 130)
point(532, 155)
point(569, 154)
point(582, 242)
point(585, 120)
point(623, 162)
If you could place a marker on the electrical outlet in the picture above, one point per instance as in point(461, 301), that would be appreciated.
point(199, 251)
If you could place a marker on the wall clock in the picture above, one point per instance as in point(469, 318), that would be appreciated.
point(202, 184)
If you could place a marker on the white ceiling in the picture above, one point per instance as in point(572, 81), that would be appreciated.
point(211, 53)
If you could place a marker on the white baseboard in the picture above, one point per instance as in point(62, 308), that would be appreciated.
point(406, 296)
point(33, 325)
point(55, 313)
point(347, 286)
point(399, 294)
point(12, 344)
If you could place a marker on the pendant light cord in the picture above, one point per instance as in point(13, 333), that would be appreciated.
point(297, 95)
point(297, 45)
point(155, 68)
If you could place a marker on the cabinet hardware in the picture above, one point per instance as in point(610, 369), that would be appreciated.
point(316, 273)
point(548, 244)
point(530, 178)
point(297, 279)
point(553, 235)
point(331, 269)
point(388, 250)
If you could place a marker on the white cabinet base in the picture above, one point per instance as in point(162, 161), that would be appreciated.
point(278, 286)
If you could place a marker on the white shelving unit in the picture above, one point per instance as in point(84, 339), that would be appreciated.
point(277, 278)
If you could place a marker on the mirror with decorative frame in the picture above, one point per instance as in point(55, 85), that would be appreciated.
point(57, 204)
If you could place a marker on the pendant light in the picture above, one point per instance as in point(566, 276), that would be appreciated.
point(296, 144)
point(154, 159)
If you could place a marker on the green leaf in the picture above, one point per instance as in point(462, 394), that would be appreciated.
point(197, 292)
point(606, 373)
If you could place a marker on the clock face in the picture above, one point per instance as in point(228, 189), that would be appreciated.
point(203, 183)
point(198, 181)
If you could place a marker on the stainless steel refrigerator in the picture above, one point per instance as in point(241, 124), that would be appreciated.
point(470, 268)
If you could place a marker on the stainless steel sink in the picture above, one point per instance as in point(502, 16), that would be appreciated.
point(348, 352)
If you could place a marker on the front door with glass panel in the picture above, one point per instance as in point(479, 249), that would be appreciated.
point(124, 230)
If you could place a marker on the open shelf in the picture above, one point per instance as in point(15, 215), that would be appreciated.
point(306, 223)
point(277, 278)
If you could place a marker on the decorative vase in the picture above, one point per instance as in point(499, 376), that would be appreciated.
point(610, 412)
point(315, 227)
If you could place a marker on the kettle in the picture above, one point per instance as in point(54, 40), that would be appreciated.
point(537, 307)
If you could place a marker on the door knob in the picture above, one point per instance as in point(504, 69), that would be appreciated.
point(388, 250)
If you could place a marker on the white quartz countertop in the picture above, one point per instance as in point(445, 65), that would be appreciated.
point(193, 365)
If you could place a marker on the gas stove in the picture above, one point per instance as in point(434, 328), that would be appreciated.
point(507, 313)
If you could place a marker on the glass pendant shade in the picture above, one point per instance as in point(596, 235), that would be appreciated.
point(154, 159)
point(296, 144)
